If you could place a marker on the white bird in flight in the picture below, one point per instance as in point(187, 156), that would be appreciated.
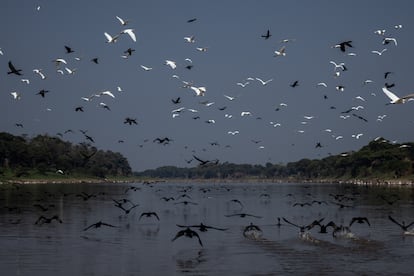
point(379, 52)
point(123, 22)
point(146, 68)
point(280, 52)
point(243, 84)
point(199, 90)
point(108, 93)
point(110, 39)
point(264, 82)
point(171, 63)
point(230, 98)
point(16, 95)
point(189, 39)
point(395, 99)
point(40, 73)
point(131, 34)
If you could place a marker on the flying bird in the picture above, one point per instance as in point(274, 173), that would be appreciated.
point(267, 35)
point(264, 82)
point(111, 39)
point(122, 21)
point(69, 50)
point(171, 63)
point(13, 70)
point(188, 233)
point(131, 34)
point(395, 99)
point(342, 45)
point(98, 225)
point(149, 214)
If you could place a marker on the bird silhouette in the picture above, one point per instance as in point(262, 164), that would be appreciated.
point(202, 227)
point(98, 225)
point(148, 215)
point(359, 220)
point(42, 93)
point(403, 226)
point(303, 228)
point(130, 121)
point(243, 215)
point(188, 233)
point(13, 70)
point(267, 35)
point(42, 219)
point(68, 50)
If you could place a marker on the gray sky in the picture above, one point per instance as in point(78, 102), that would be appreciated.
point(32, 37)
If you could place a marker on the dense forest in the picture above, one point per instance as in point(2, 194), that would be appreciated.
point(44, 155)
point(380, 159)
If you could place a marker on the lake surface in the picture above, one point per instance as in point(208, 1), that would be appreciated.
point(142, 245)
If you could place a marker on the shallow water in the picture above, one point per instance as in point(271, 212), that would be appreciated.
point(143, 245)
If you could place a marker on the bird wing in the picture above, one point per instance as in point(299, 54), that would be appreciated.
point(390, 95)
point(409, 96)
point(11, 66)
point(108, 37)
point(179, 234)
point(396, 222)
point(131, 34)
point(120, 20)
point(291, 223)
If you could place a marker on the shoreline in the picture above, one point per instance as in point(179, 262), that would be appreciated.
point(368, 182)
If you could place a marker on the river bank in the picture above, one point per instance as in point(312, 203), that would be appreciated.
point(376, 181)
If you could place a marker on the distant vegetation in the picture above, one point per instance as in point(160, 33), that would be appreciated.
point(45, 156)
point(380, 159)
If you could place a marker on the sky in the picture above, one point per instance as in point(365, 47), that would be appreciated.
point(286, 122)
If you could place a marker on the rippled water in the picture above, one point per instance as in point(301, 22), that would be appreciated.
point(143, 245)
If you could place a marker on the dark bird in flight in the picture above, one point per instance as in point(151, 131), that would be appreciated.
point(167, 198)
point(148, 215)
point(403, 226)
point(238, 202)
point(188, 233)
point(302, 204)
point(176, 101)
point(87, 137)
point(18, 125)
point(127, 211)
point(69, 50)
point(95, 60)
point(129, 51)
point(42, 93)
point(13, 70)
point(204, 162)
point(294, 84)
point(130, 121)
point(163, 141)
point(189, 67)
point(191, 20)
point(85, 196)
point(359, 117)
point(202, 227)
point(318, 145)
point(267, 35)
point(243, 215)
point(303, 228)
point(359, 220)
point(387, 85)
point(386, 74)
point(391, 200)
point(43, 219)
point(343, 45)
point(324, 228)
point(79, 109)
point(185, 202)
point(98, 225)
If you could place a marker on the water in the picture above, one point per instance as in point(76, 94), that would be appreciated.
point(143, 245)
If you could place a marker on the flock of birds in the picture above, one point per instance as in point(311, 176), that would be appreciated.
point(64, 65)
point(47, 205)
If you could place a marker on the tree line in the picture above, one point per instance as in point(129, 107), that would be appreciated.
point(379, 159)
point(45, 155)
